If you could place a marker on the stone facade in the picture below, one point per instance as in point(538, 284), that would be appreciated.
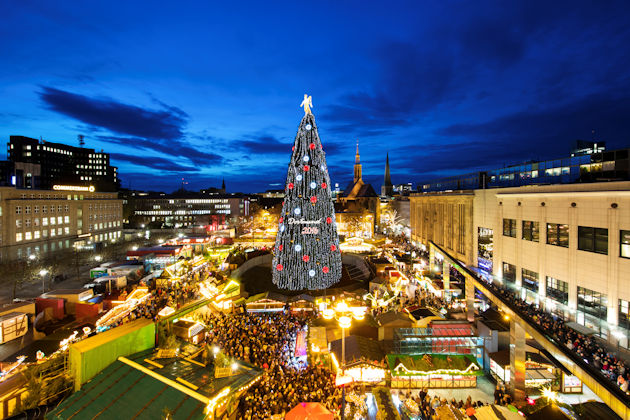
point(447, 220)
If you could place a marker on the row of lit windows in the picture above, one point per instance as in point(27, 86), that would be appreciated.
point(29, 236)
point(45, 221)
point(106, 225)
point(556, 289)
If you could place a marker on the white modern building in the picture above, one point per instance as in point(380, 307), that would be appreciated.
point(564, 246)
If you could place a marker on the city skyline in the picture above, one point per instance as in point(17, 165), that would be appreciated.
point(212, 92)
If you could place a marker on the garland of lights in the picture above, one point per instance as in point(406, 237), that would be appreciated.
point(401, 367)
point(307, 255)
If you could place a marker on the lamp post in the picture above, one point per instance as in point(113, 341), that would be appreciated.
point(344, 314)
point(43, 274)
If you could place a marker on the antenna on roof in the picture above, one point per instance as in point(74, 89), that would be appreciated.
point(81, 139)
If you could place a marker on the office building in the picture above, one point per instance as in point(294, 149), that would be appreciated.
point(41, 222)
point(186, 209)
point(57, 164)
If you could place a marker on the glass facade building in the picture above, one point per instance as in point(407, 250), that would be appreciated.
point(610, 165)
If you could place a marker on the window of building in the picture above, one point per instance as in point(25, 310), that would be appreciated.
point(28, 236)
point(27, 209)
point(624, 314)
point(59, 220)
point(530, 231)
point(18, 237)
point(27, 223)
point(509, 272)
point(66, 230)
point(592, 304)
point(558, 290)
point(509, 227)
point(36, 222)
point(18, 223)
point(530, 280)
point(18, 209)
point(36, 209)
point(59, 208)
point(59, 231)
point(624, 243)
point(44, 208)
point(36, 234)
point(593, 239)
point(66, 219)
point(558, 234)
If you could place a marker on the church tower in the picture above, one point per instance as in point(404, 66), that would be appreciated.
point(357, 165)
point(387, 189)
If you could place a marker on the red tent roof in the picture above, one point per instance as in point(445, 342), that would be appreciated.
point(309, 411)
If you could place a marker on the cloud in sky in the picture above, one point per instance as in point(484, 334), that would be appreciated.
point(165, 124)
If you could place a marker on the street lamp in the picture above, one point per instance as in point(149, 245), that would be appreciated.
point(344, 313)
point(43, 274)
point(97, 258)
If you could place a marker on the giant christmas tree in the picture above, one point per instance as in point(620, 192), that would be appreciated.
point(307, 253)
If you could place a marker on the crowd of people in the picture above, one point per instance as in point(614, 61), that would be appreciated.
point(431, 408)
point(267, 340)
point(587, 347)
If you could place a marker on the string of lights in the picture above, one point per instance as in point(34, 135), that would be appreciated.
point(306, 254)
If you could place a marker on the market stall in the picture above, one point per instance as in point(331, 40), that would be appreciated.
point(433, 371)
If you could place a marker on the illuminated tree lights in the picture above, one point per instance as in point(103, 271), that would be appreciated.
point(306, 255)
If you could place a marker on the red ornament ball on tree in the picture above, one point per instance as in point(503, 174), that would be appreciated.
point(306, 168)
point(325, 269)
point(328, 220)
point(333, 248)
point(279, 267)
point(280, 247)
point(305, 258)
point(313, 199)
point(323, 185)
point(290, 185)
point(312, 146)
point(280, 220)
point(293, 148)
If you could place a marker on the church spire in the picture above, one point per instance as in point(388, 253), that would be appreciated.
point(387, 190)
point(357, 165)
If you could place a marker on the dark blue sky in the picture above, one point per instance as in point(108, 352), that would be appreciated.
point(211, 91)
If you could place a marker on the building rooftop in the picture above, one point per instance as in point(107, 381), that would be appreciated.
point(142, 386)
